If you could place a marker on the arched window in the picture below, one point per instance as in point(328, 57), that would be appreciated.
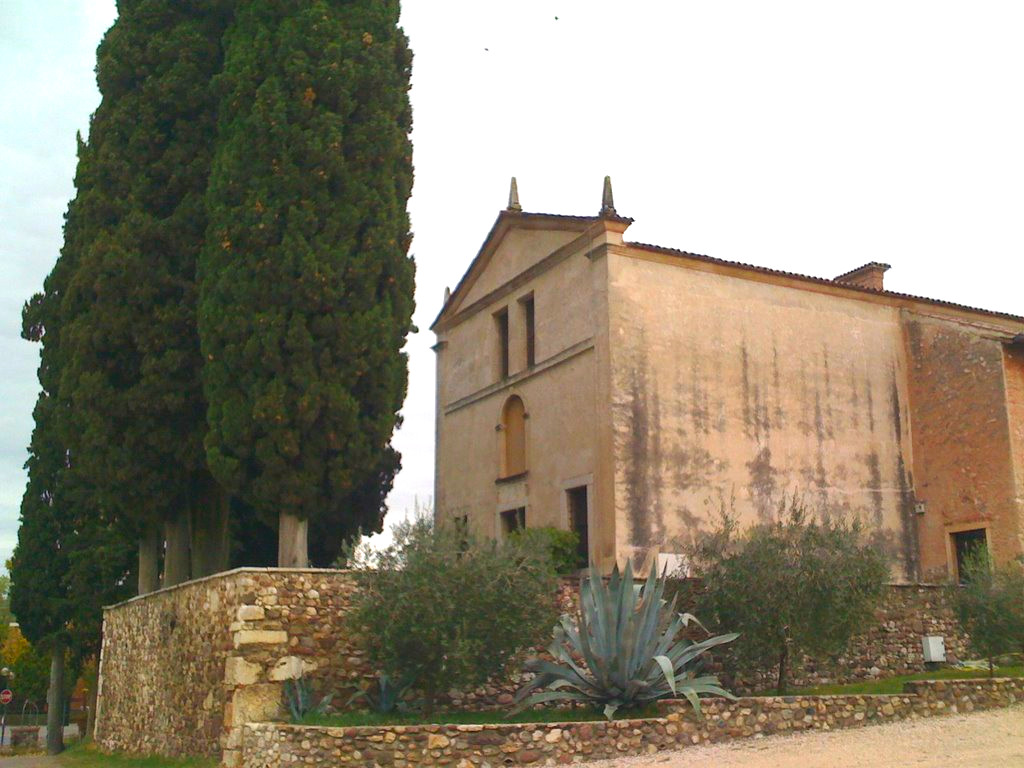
point(513, 430)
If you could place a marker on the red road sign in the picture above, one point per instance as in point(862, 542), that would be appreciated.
point(6, 696)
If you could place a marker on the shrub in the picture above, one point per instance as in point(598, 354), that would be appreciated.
point(445, 609)
point(298, 695)
point(791, 588)
point(561, 546)
point(990, 605)
point(623, 650)
point(384, 695)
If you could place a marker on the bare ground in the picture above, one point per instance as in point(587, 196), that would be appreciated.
point(982, 740)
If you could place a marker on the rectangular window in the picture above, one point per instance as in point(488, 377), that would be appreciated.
point(964, 543)
point(512, 520)
point(531, 344)
point(577, 503)
point(501, 321)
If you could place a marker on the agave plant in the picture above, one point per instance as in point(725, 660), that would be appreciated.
point(385, 696)
point(299, 695)
point(623, 650)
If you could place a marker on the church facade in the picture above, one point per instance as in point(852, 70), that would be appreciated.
point(630, 392)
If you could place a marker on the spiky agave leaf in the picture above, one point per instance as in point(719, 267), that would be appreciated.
point(613, 654)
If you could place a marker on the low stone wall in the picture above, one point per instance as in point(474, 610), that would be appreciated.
point(271, 745)
point(891, 646)
point(197, 661)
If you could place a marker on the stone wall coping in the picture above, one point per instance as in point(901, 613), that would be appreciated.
point(342, 571)
point(224, 575)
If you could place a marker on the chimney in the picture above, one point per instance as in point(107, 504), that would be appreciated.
point(870, 276)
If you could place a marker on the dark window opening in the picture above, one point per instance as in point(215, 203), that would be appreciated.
point(577, 498)
point(531, 353)
point(512, 520)
point(501, 320)
point(965, 543)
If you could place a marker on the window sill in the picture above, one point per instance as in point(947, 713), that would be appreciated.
point(510, 478)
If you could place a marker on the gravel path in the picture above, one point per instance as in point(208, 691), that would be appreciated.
point(983, 740)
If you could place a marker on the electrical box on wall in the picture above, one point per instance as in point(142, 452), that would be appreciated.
point(934, 648)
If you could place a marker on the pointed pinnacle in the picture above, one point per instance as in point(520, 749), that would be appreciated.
point(607, 203)
point(513, 196)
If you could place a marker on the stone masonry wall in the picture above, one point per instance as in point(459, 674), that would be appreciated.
point(271, 745)
point(198, 661)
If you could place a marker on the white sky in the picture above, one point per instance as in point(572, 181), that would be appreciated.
point(811, 137)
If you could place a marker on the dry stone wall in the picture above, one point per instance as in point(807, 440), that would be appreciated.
point(184, 669)
point(270, 745)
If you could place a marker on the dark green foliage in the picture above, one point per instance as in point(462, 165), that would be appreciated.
point(560, 545)
point(298, 694)
point(989, 605)
point(306, 286)
point(130, 383)
point(447, 610)
point(791, 588)
point(622, 650)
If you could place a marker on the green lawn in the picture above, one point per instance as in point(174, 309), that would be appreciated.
point(895, 684)
point(87, 756)
point(349, 719)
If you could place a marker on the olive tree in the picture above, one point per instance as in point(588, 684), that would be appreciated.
point(792, 588)
point(444, 609)
point(989, 604)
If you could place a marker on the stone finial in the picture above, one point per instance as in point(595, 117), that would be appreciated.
point(513, 196)
point(447, 294)
point(607, 203)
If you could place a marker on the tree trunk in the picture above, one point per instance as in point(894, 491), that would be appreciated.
point(149, 559)
point(780, 687)
point(211, 543)
point(90, 720)
point(55, 702)
point(292, 542)
point(176, 556)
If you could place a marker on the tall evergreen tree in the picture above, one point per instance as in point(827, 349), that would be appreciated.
point(131, 381)
point(306, 282)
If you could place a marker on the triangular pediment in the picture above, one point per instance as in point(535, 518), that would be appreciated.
point(516, 242)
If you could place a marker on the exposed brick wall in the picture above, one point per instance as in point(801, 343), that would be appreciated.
point(1013, 360)
point(197, 661)
point(961, 440)
point(270, 745)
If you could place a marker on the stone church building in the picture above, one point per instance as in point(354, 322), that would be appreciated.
point(629, 391)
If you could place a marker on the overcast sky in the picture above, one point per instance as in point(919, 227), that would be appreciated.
point(811, 137)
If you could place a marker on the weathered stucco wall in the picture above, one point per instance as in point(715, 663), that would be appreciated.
point(559, 391)
point(961, 439)
point(275, 746)
point(729, 391)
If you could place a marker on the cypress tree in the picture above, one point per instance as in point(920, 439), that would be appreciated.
point(131, 382)
point(305, 280)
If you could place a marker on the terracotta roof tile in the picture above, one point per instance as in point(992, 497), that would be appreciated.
point(818, 280)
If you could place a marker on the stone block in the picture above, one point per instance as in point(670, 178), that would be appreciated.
point(289, 668)
point(250, 613)
point(238, 671)
point(260, 637)
point(255, 703)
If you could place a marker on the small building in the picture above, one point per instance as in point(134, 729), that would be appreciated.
point(631, 391)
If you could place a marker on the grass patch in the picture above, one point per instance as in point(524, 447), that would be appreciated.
point(88, 756)
point(895, 684)
point(352, 719)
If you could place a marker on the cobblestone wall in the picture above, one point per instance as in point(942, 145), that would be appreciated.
point(197, 661)
point(269, 745)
